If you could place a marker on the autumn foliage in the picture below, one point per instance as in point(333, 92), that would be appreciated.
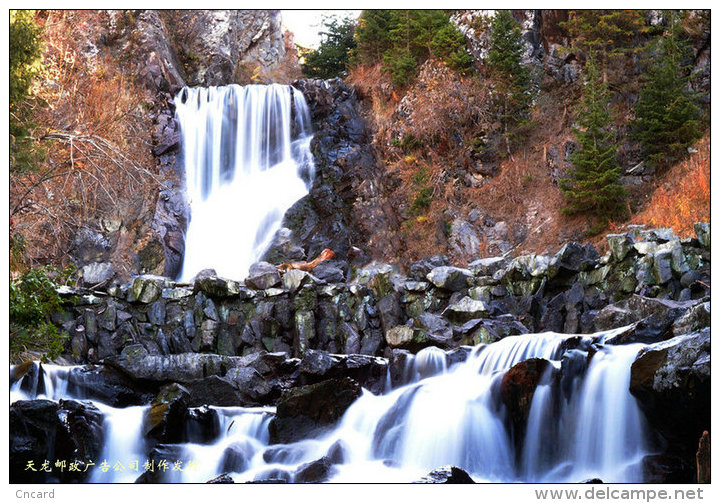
point(683, 196)
point(93, 123)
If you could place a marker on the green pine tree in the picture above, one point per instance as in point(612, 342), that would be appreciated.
point(333, 55)
point(667, 118)
point(25, 66)
point(593, 184)
point(403, 39)
point(512, 78)
point(373, 35)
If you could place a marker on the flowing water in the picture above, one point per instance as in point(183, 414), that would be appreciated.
point(582, 426)
point(247, 160)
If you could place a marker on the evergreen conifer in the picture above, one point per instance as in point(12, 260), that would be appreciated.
point(666, 114)
point(593, 183)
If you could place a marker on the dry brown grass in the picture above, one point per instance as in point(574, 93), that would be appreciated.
point(682, 196)
point(95, 126)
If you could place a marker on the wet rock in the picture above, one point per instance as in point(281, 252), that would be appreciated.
point(657, 313)
point(202, 425)
point(517, 390)
point(249, 381)
point(135, 361)
point(308, 410)
point(274, 476)
point(337, 453)
point(317, 365)
point(45, 430)
point(107, 385)
point(165, 420)
point(664, 469)
point(215, 390)
point(236, 456)
point(163, 454)
point(223, 478)
point(447, 475)
point(316, 471)
point(263, 275)
point(671, 381)
point(696, 318)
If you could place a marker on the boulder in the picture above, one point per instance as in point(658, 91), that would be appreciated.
point(164, 421)
point(46, 430)
point(309, 410)
point(447, 475)
point(216, 287)
point(487, 266)
point(702, 230)
point(262, 276)
point(316, 471)
point(202, 425)
point(97, 273)
point(671, 381)
point(148, 288)
point(420, 269)
point(106, 384)
point(215, 390)
point(657, 315)
point(573, 258)
point(620, 245)
point(450, 278)
point(223, 478)
point(696, 318)
point(517, 390)
point(135, 361)
point(466, 309)
point(250, 383)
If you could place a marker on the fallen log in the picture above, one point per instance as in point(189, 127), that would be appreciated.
point(326, 254)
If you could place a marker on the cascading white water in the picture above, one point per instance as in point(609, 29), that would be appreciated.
point(591, 427)
point(246, 154)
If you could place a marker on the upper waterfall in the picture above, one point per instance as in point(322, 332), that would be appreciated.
point(247, 160)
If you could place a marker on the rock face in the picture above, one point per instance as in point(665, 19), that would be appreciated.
point(215, 45)
point(343, 206)
point(671, 381)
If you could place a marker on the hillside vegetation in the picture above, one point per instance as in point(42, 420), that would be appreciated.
point(501, 128)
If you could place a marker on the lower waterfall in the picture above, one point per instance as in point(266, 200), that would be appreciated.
point(584, 425)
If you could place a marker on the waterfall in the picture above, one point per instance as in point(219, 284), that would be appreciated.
point(247, 160)
point(582, 426)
